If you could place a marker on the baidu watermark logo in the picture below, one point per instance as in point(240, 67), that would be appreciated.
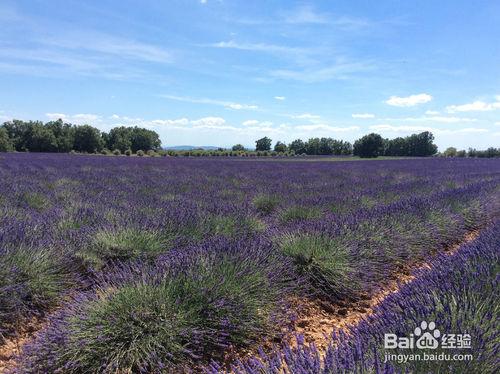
point(427, 337)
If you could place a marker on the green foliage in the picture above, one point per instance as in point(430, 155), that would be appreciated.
point(134, 138)
point(421, 144)
point(323, 261)
point(265, 204)
point(40, 138)
point(263, 144)
point(179, 317)
point(30, 279)
point(57, 136)
point(88, 139)
point(63, 133)
point(417, 145)
point(124, 244)
point(450, 152)
point(5, 142)
point(128, 152)
point(232, 227)
point(35, 200)
point(327, 146)
point(489, 153)
point(238, 147)
point(297, 146)
point(371, 145)
point(117, 152)
point(280, 147)
point(140, 153)
point(298, 213)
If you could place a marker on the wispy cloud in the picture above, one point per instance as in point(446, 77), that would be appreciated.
point(441, 119)
point(255, 123)
point(308, 116)
point(409, 101)
point(323, 127)
point(75, 118)
point(106, 44)
point(171, 122)
point(259, 47)
point(280, 98)
point(338, 71)
point(476, 106)
point(305, 14)
point(411, 129)
point(225, 104)
point(363, 115)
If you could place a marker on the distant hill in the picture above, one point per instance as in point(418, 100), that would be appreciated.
point(191, 147)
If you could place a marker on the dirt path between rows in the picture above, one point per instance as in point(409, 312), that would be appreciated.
point(315, 319)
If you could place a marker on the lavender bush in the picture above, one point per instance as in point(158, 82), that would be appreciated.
point(460, 294)
point(263, 230)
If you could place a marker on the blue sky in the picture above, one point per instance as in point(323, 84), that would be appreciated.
point(220, 72)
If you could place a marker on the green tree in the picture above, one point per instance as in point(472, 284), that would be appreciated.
point(88, 139)
point(297, 146)
point(40, 139)
point(313, 146)
point(64, 134)
point(238, 148)
point(421, 144)
point(280, 147)
point(120, 138)
point(263, 144)
point(5, 142)
point(371, 145)
point(144, 139)
point(17, 131)
point(450, 152)
point(396, 147)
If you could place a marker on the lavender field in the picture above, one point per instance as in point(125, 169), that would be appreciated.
point(163, 264)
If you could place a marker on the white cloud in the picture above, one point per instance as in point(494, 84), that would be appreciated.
point(431, 112)
point(209, 122)
point(408, 101)
point(340, 70)
point(324, 127)
point(171, 122)
point(280, 98)
point(307, 116)
point(363, 115)
point(251, 122)
point(305, 14)
point(110, 45)
point(413, 129)
point(225, 104)
point(476, 106)
point(441, 119)
point(86, 117)
point(259, 47)
point(255, 123)
point(75, 118)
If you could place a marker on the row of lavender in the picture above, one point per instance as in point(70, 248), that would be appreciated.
point(165, 263)
point(456, 302)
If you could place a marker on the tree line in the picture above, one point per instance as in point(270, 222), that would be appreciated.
point(58, 136)
point(371, 145)
point(471, 152)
